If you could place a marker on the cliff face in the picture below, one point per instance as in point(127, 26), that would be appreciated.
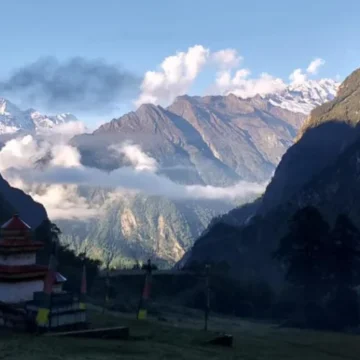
point(321, 169)
point(14, 200)
point(329, 129)
point(212, 140)
point(218, 139)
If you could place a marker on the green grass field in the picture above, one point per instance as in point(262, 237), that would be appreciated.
point(184, 339)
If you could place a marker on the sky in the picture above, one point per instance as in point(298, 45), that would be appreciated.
point(134, 38)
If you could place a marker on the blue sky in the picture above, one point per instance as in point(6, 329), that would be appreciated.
point(272, 36)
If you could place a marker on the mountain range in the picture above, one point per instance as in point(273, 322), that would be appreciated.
point(13, 119)
point(213, 142)
point(320, 169)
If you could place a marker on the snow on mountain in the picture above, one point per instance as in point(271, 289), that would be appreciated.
point(297, 97)
point(13, 119)
point(43, 121)
point(305, 96)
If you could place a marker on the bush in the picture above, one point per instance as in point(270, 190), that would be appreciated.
point(228, 296)
point(343, 309)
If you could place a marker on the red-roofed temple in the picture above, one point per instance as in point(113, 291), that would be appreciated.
point(30, 292)
point(20, 276)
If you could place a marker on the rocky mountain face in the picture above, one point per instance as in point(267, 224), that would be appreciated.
point(133, 226)
point(213, 141)
point(320, 169)
point(12, 119)
point(325, 134)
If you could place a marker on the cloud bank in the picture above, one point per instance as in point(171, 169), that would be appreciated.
point(73, 85)
point(82, 85)
point(56, 183)
point(94, 86)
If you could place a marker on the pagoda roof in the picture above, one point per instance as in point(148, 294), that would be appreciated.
point(13, 242)
point(22, 273)
point(15, 223)
point(19, 246)
point(22, 269)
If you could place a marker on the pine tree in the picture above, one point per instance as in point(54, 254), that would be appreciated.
point(343, 273)
point(303, 252)
point(344, 260)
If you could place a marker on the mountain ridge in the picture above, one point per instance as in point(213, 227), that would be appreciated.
point(319, 173)
point(12, 119)
point(213, 141)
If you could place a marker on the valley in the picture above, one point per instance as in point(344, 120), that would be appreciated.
point(179, 180)
point(188, 163)
point(323, 174)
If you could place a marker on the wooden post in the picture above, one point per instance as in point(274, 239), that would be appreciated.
point(144, 299)
point(52, 269)
point(207, 295)
point(106, 292)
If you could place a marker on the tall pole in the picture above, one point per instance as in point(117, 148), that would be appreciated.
point(107, 287)
point(207, 295)
point(43, 318)
point(143, 303)
point(53, 268)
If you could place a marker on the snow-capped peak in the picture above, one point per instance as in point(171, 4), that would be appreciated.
point(305, 96)
point(12, 119)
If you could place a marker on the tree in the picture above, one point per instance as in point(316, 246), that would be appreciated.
point(69, 264)
point(48, 233)
point(303, 252)
point(344, 273)
point(344, 261)
point(110, 249)
point(77, 244)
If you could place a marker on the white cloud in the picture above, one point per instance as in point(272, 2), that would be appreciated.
point(137, 157)
point(243, 86)
point(20, 153)
point(147, 182)
point(56, 185)
point(297, 77)
point(174, 78)
point(65, 156)
point(315, 65)
point(241, 189)
point(227, 58)
point(179, 72)
point(24, 152)
point(61, 201)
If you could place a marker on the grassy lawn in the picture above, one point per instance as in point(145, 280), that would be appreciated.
point(184, 339)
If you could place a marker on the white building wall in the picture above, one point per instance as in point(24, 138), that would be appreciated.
point(19, 292)
point(18, 259)
point(57, 288)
